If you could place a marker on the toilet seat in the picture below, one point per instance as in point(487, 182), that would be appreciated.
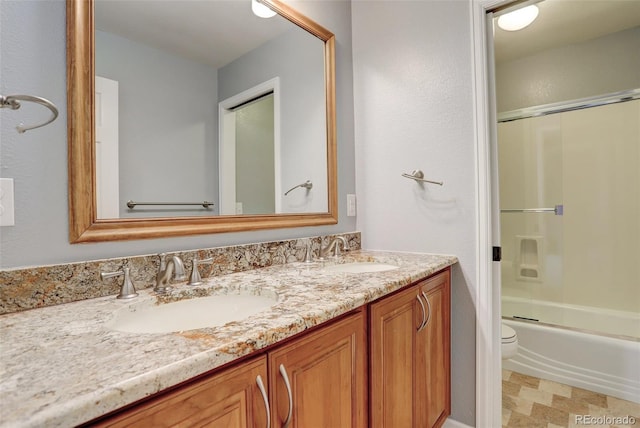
point(508, 334)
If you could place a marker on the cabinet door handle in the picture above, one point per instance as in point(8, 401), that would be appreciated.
point(283, 372)
point(265, 399)
point(424, 313)
point(428, 307)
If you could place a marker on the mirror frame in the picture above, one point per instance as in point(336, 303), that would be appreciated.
point(84, 226)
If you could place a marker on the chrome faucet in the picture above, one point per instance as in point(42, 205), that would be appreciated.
point(166, 269)
point(334, 246)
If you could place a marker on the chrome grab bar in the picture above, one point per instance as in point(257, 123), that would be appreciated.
point(131, 204)
point(13, 102)
point(418, 176)
point(307, 185)
point(263, 392)
point(557, 210)
point(283, 372)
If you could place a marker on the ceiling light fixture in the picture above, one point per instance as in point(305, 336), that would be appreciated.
point(261, 10)
point(518, 19)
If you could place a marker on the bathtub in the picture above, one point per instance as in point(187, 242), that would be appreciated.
point(589, 348)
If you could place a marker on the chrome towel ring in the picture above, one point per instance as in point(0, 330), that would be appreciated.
point(13, 102)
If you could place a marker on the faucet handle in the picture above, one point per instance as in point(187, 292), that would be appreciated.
point(195, 278)
point(128, 290)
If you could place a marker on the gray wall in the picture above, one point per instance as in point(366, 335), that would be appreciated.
point(297, 58)
point(414, 109)
point(33, 61)
point(595, 67)
point(168, 126)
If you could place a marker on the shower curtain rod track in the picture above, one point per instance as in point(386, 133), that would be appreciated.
point(564, 106)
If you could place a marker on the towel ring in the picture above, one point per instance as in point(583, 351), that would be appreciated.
point(13, 102)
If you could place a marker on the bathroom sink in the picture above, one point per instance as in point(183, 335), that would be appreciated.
point(190, 314)
point(360, 267)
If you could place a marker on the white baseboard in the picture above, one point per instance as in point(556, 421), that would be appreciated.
point(451, 423)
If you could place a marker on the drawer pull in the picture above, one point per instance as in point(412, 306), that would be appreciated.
point(424, 314)
point(428, 307)
point(283, 372)
point(264, 398)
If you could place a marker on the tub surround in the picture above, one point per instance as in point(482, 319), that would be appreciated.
point(37, 287)
point(62, 366)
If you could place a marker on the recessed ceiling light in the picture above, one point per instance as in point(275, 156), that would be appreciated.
point(518, 19)
point(261, 10)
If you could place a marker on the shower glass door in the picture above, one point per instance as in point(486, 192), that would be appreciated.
point(531, 186)
point(570, 217)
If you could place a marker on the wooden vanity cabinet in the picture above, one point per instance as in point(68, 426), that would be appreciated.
point(327, 376)
point(230, 399)
point(410, 356)
point(326, 370)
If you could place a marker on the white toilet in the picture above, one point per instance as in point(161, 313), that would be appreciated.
point(509, 342)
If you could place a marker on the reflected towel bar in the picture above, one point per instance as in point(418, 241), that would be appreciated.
point(557, 210)
point(205, 204)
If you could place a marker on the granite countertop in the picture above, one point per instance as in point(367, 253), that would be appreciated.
point(62, 366)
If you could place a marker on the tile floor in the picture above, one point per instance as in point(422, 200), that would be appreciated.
point(529, 402)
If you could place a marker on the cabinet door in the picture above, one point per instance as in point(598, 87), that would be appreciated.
point(410, 384)
point(394, 322)
point(229, 399)
point(433, 356)
point(326, 371)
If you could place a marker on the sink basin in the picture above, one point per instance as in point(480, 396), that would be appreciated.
point(190, 314)
point(360, 267)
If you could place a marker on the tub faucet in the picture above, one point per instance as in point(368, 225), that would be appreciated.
point(173, 266)
point(334, 246)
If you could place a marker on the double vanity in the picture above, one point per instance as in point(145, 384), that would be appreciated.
point(347, 342)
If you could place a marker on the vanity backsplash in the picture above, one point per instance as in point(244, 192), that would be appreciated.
point(36, 287)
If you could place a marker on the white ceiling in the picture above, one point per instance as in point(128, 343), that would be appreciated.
point(564, 22)
point(213, 32)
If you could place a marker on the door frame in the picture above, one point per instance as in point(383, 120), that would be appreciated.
point(488, 358)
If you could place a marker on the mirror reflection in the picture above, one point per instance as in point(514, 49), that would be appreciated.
point(203, 101)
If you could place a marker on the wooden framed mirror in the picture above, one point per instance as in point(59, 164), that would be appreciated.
point(85, 223)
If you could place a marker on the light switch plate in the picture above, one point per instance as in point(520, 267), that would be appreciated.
point(351, 205)
point(6, 202)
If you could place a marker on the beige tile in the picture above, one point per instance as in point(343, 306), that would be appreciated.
point(506, 374)
point(510, 388)
point(549, 414)
point(517, 403)
point(555, 387)
point(506, 414)
point(542, 397)
point(569, 405)
point(518, 420)
point(590, 397)
point(524, 380)
point(620, 407)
